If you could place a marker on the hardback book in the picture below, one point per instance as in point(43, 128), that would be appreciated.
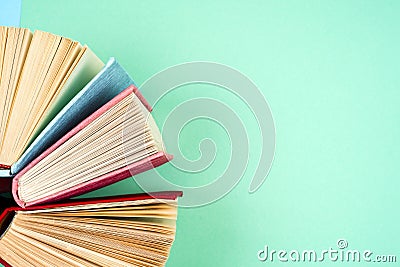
point(117, 141)
point(133, 230)
point(111, 80)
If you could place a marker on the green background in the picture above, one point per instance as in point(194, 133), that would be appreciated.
point(330, 73)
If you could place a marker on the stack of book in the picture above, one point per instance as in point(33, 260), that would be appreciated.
point(70, 124)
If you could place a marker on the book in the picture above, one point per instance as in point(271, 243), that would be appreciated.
point(117, 141)
point(39, 74)
point(132, 230)
point(111, 80)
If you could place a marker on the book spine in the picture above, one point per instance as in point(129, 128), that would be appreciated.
point(5, 185)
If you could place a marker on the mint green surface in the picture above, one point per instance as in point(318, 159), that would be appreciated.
point(330, 72)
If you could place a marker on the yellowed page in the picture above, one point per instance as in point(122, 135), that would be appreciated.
point(85, 67)
point(43, 238)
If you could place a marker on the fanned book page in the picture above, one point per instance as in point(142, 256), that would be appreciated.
point(124, 231)
point(39, 74)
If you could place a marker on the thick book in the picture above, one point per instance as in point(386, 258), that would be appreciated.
point(111, 80)
point(39, 74)
point(117, 141)
point(132, 230)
